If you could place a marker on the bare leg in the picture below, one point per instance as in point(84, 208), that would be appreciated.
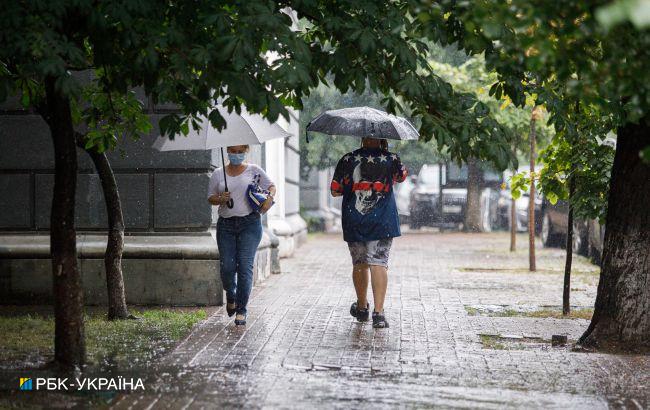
point(379, 278)
point(360, 279)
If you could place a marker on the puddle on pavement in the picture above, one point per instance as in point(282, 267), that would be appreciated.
point(517, 342)
point(483, 269)
point(532, 311)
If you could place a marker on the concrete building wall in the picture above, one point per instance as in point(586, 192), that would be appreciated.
point(160, 191)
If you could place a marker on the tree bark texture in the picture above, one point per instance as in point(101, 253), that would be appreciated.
point(622, 312)
point(69, 344)
point(531, 200)
point(513, 209)
point(566, 294)
point(473, 204)
point(117, 308)
point(513, 225)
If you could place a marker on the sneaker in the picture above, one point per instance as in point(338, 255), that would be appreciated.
point(379, 320)
point(361, 314)
point(240, 319)
point(229, 310)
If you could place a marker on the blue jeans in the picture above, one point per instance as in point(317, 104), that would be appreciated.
point(237, 239)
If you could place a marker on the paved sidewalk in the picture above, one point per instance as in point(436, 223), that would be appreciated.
point(453, 341)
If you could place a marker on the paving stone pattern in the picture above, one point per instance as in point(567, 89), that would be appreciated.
point(301, 348)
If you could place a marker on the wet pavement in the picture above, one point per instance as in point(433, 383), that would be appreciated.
point(450, 343)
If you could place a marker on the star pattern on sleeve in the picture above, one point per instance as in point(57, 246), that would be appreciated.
point(393, 156)
point(383, 158)
point(346, 157)
point(371, 159)
point(358, 158)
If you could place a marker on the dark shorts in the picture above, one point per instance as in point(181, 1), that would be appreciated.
point(371, 253)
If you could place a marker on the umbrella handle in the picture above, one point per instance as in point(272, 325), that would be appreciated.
point(230, 204)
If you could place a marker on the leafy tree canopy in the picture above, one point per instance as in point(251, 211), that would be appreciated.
point(473, 77)
point(465, 74)
point(582, 61)
point(255, 53)
point(560, 54)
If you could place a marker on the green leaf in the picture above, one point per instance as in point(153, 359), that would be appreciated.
point(367, 42)
point(216, 119)
point(24, 100)
point(185, 127)
point(481, 110)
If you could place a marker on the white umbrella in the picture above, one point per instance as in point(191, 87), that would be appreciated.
point(244, 129)
point(241, 129)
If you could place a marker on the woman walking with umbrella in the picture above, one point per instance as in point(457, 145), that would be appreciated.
point(365, 179)
point(237, 189)
point(241, 191)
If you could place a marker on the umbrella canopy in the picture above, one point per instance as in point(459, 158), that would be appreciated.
point(363, 122)
point(244, 129)
point(241, 129)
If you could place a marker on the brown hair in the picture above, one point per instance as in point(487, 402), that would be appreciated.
point(248, 148)
point(383, 144)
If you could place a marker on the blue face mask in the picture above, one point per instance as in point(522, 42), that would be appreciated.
point(236, 159)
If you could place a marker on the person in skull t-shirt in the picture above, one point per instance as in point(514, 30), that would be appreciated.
point(365, 179)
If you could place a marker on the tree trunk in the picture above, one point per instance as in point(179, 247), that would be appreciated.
point(531, 198)
point(473, 204)
point(115, 244)
point(513, 208)
point(69, 345)
point(566, 294)
point(513, 225)
point(622, 312)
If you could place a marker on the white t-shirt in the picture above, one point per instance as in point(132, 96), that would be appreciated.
point(237, 186)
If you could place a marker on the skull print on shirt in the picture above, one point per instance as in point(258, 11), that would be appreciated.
point(366, 197)
point(365, 177)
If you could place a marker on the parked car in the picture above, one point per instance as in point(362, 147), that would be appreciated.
point(440, 195)
point(555, 223)
point(521, 206)
point(596, 239)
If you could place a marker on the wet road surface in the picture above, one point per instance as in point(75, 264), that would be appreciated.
point(450, 343)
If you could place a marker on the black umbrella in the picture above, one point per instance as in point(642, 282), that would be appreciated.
point(363, 122)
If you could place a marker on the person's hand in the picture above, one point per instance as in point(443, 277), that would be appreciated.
point(266, 205)
point(224, 197)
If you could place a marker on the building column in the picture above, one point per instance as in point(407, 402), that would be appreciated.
point(275, 169)
point(283, 166)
